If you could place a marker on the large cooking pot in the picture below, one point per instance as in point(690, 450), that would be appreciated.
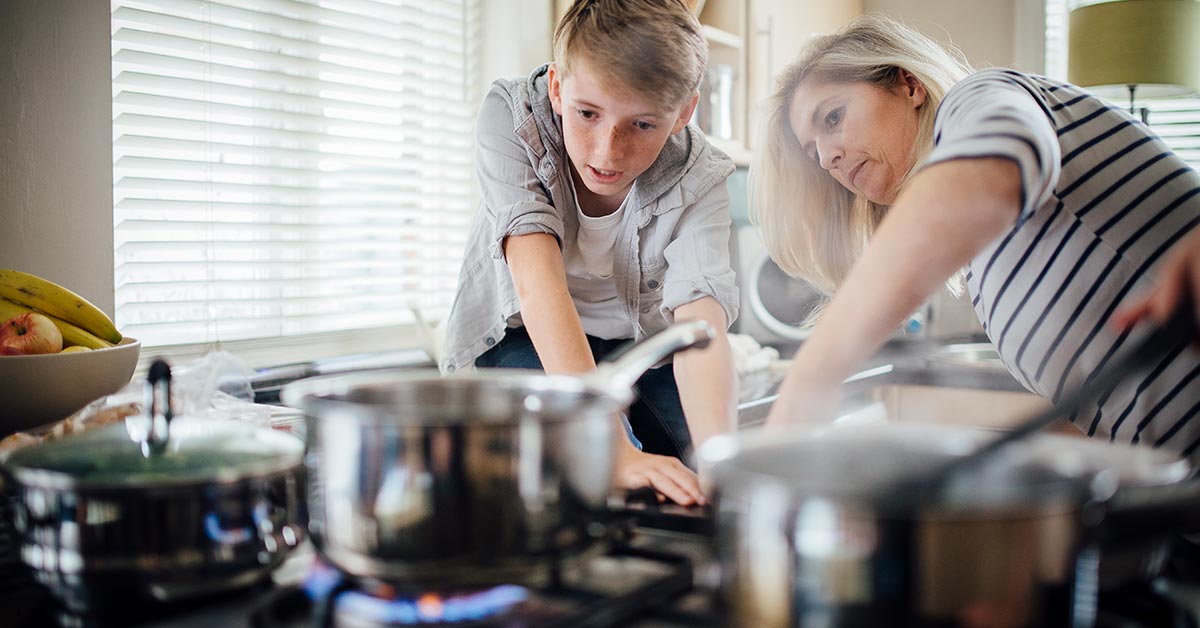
point(472, 478)
point(811, 531)
point(161, 510)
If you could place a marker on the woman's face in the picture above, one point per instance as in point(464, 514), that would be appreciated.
point(861, 134)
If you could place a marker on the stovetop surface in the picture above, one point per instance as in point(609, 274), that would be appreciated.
point(697, 606)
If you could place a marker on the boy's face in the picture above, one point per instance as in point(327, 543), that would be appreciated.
point(612, 135)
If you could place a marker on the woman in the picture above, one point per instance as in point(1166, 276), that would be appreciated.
point(1055, 204)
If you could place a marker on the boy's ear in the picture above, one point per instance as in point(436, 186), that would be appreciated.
point(555, 83)
point(685, 114)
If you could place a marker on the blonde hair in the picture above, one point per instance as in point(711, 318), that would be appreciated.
point(813, 227)
point(652, 47)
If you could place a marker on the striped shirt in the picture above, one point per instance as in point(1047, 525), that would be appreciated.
point(1102, 200)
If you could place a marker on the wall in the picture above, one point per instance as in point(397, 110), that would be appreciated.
point(1006, 33)
point(56, 143)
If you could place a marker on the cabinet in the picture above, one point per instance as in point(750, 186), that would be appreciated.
point(759, 38)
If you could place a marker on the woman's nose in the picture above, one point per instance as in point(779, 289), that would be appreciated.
point(829, 154)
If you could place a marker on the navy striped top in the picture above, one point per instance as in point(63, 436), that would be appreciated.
point(1102, 199)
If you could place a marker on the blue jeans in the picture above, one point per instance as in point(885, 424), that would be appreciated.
point(656, 416)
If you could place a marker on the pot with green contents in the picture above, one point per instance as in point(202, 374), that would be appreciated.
point(118, 516)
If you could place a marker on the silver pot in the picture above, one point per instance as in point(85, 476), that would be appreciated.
point(470, 478)
point(810, 532)
point(115, 518)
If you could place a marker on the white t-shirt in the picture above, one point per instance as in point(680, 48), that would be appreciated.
point(589, 265)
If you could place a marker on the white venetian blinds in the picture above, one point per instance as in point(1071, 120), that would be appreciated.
point(286, 168)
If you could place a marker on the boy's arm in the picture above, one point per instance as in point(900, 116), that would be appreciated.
point(547, 310)
point(552, 321)
point(706, 377)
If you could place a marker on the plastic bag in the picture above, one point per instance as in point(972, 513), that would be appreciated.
point(216, 386)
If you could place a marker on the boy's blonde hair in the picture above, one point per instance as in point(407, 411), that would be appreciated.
point(652, 47)
point(813, 227)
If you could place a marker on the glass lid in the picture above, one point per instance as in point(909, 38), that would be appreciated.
point(197, 451)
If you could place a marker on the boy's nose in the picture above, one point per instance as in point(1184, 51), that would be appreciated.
point(613, 142)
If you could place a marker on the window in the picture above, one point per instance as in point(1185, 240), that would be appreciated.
point(1175, 120)
point(290, 172)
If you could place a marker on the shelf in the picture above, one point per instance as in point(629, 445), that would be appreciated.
point(718, 37)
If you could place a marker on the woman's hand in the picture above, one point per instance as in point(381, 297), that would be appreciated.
point(665, 474)
point(1178, 286)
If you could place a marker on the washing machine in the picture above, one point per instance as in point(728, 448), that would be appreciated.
point(774, 305)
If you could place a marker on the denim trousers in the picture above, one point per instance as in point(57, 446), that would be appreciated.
point(656, 415)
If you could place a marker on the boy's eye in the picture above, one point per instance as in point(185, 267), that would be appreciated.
point(586, 114)
point(644, 126)
point(833, 118)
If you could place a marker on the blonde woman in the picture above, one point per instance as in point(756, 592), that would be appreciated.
point(891, 169)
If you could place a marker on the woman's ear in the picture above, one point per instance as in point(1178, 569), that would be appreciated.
point(554, 81)
point(685, 114)
point(914, 89)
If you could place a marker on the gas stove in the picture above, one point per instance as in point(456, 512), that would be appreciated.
point(658, 573)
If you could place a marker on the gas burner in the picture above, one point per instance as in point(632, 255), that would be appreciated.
point(373, 603)
point(608, 590)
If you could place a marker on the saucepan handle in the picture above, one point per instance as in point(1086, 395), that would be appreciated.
point(1140, 513)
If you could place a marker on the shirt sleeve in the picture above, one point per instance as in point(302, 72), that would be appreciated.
point(698, 257)
point(996, 113)
point(515, 200)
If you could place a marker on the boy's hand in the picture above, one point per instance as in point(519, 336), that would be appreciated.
point(665, 474)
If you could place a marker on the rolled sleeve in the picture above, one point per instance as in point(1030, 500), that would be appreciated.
point(698, 257)
point(515, 200)
point(993, 113)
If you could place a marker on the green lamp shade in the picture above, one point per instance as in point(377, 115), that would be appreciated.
point(1153, 44)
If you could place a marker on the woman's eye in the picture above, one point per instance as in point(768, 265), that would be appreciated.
point(586, 114)
point(644, 126)
point(833, 118)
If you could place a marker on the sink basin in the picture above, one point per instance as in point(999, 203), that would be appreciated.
point(973, 354)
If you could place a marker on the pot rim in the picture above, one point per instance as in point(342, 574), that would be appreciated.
point(280, 463)
point(324, 395)
point(1075, 477)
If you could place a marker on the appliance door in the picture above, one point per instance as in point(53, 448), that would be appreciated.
point(774, 306)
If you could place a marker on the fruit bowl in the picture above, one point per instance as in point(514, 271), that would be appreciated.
point(40, 389)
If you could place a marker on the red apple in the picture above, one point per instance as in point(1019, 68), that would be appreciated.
point(29, 333)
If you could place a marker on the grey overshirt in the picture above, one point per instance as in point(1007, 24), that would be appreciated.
point(673, 246)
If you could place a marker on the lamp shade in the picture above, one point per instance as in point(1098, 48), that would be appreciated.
point(1153, 44)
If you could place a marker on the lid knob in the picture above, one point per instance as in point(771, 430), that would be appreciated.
point(158, 408)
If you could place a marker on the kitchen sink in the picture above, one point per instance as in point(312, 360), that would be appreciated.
point(945, 383)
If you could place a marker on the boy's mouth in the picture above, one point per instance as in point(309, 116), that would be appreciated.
point(605, 176)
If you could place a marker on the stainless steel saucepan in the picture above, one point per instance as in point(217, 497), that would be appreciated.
point(116, 518)
point(472, 478)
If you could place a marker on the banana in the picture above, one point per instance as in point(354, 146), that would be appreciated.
point(72, 334)
point(50, 298)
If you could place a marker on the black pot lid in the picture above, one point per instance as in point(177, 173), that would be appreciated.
point(198, 451)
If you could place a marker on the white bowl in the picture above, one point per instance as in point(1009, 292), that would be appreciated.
point(40, 389)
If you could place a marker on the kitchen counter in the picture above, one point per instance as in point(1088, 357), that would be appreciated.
point(911, 363)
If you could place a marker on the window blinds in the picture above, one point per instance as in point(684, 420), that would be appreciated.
point(289, 168)
point(1175, 120)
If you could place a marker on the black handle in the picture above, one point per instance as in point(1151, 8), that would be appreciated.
point(1180, 328)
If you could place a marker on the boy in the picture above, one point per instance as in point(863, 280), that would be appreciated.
point(604, 218)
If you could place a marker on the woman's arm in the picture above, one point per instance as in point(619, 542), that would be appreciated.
point(706, 377)
point(552, 321)
point(946, 215)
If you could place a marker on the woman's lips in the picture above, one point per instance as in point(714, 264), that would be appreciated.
point(854, 175)
point(604, 176)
